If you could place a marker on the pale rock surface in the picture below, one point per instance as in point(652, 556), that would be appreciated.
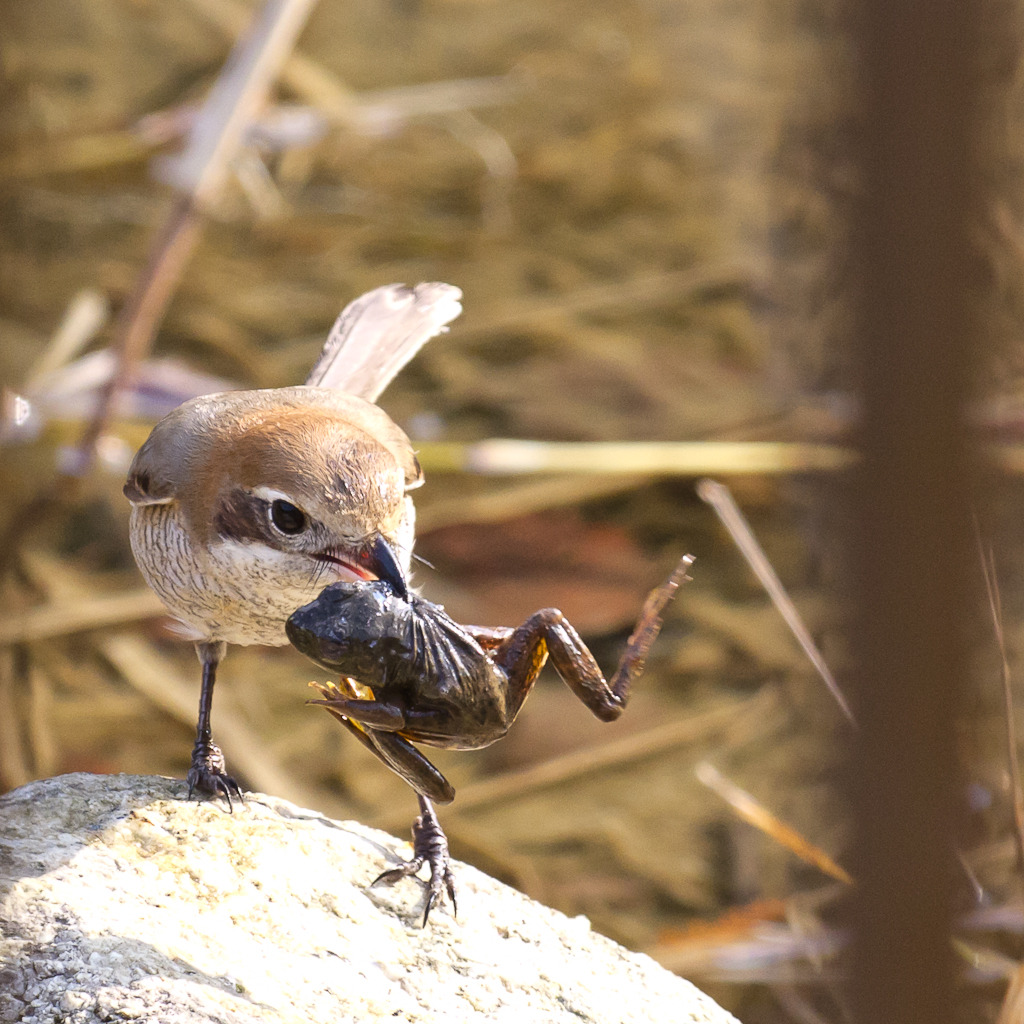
point(121, 901)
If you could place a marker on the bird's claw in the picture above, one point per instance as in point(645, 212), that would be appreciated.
point(429, 846)
point(208, 775)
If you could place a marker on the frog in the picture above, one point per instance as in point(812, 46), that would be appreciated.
point(409, 673)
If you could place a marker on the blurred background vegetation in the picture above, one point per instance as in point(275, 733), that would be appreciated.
point(644, 205)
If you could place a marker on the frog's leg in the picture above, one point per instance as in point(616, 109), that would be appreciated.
point(391, 716)
point(490, 638)
point(547, 633)
point(392, 748)
point(377, 714)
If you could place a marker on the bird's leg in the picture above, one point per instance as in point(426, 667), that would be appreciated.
point(429, 846)
point(207, 774)
point(429, 843)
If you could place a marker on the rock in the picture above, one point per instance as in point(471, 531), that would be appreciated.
point(120, 900)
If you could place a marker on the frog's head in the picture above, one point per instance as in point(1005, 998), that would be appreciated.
point(353, 628)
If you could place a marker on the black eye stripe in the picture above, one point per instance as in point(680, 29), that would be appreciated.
point(242, 516)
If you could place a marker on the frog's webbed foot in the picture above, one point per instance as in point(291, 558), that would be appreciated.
point(429, 846)
point(207, 774)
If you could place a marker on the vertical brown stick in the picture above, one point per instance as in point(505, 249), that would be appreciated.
point(910, 538)
point(141, 315)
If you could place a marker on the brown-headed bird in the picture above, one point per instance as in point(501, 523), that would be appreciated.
point(246, 504)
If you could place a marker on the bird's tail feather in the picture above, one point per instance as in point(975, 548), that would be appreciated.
point(378, 333)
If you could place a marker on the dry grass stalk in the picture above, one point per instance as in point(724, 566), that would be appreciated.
point(75, 616)
point(988, 568)
point(219, 129)
point(1012, 1010)
point(719, 498)
point(43, 743)
point(755, 630)
point(750, 810)
point(303, 76)
point(650, 458)
point(15, 769)
point(85, 316)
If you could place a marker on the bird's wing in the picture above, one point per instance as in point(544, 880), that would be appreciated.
point(378, 333)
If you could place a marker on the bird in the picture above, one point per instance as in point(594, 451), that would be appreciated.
point(246, 504)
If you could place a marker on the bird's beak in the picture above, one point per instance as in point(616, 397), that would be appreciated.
point(381, 560)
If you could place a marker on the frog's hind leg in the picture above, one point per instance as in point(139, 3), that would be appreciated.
point(373, 713)
point(429, 725)
point(393, 749)
point(548, 633)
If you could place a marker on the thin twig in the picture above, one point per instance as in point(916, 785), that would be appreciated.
point(720, 499)
point(988, 568)
point(140, 316)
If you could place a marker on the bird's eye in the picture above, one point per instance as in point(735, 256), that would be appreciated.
point(287, 517)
